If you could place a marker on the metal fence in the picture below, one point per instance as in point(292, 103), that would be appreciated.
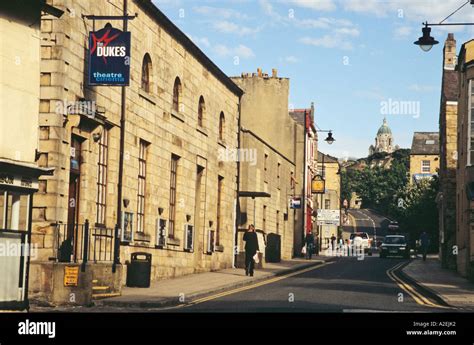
point(82, 243)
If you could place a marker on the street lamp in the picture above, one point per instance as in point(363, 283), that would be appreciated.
point(426, 42)
point(330, 139)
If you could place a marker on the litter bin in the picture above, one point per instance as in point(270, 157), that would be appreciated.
point(139, 270)
point(273, 248)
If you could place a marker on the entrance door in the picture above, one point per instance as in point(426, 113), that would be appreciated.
point(71, 238)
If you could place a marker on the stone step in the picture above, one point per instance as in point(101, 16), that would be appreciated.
point(100, 288)
point(105, 295)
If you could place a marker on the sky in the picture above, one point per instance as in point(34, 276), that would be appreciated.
point(355, 59)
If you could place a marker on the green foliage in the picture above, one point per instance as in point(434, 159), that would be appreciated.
point(382, 189)
point(416, 210)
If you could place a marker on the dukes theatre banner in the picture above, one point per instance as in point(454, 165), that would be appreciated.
point(109, 57)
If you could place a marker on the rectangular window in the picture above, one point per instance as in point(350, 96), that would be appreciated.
point(470, 134)
point(141, 186)
point(220, 181)
point(102, 177)
point(264, 218)
point(173, 184)
point(327, 204)
point(425, 166)
point(278, 222)
point(278, 175)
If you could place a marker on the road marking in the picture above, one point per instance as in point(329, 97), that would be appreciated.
point(248, 287)
point(354, 223)
point(416, 295)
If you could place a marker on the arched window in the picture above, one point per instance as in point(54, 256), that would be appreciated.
point(176, 94)
point(221, 126)
point(146, 73)
point(201, 111)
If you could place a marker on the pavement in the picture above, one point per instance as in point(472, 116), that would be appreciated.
point(449, 286)
point(185, 289)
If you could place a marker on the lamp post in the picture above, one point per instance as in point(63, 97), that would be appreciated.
point(426, 42)
point(330, 140)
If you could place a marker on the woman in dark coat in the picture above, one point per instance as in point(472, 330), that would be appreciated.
point(251, 248)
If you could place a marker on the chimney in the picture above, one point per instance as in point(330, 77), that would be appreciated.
point(259, 72)
point(274, 73)
point(449, 53)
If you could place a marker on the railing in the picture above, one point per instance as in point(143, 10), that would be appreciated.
point(82, 243)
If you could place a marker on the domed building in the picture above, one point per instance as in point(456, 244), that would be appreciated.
point(383, 141)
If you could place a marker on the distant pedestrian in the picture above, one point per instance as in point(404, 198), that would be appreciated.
point(251, 248)
point(309, 245)
point(333, 242)
point(424, 244)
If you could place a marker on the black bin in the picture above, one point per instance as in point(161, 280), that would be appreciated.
point(139, 270)
point(273, 248)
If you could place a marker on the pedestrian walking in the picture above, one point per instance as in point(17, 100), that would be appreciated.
point(333, 242)
point(309, 245)
point(424, 244)
point(251, 248)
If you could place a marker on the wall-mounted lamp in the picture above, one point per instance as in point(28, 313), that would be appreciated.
point(210, 223)
point(188, 217)
point(97, 136)
point(126, 202)
point(160, 210)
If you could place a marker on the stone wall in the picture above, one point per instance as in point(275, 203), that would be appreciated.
point(149, 117)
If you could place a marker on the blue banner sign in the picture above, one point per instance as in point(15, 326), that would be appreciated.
point(109, 57)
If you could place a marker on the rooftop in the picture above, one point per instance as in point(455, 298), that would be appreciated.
point(425, 143)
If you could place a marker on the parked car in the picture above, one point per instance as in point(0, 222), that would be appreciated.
point(361, 240)
point(395, 245)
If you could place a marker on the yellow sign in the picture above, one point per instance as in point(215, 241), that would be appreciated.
point(71, 275)
point(318, 185)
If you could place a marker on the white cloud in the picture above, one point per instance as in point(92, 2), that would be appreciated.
point(291, 59)
point(222, 13)
point(241, 51)
point(422, 88)
point(347, 32)
point(403, 31)
point(322, 23)
point(230, 27)
point(327, 41)
point(317, 5)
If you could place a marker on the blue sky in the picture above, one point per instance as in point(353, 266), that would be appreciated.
point(346, 56)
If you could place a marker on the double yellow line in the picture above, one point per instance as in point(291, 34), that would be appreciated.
point(249, 287)
point(418, 297)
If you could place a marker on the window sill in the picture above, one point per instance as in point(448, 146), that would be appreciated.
point(173, 241)
point(219, 248)
point(202, 130)
point(141, 237)
point(149, 97)
point(177, 115)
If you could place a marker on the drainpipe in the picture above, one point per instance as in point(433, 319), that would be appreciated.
point(305, 158)
point(123, 110)
point(237, 207)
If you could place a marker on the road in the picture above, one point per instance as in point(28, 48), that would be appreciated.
point(345, 285)
point(367, 221)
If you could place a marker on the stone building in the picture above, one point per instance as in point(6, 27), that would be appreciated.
point(267, 132)
point(448, 155)
point(306, 148)
point(465, 158)
point(383, 140)
point(424, 155)
point(19, 171)
point(329, 203)
point(165, 155)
